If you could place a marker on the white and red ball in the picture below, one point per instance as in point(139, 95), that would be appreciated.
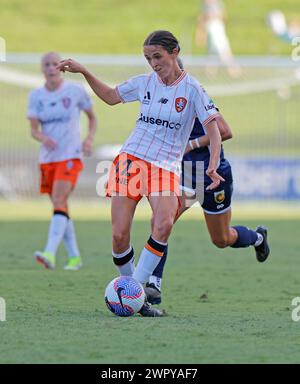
point(124, 296)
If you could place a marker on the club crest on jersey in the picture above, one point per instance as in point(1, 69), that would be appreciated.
point(219, 196)
point(180, 104)
point(66, 102)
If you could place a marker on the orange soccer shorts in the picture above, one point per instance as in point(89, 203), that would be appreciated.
point(133, 177)
point(67, 170)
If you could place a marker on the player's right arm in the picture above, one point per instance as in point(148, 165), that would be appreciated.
point(39, 136)
point(102, 90)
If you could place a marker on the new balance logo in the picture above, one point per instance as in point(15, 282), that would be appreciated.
point(147, 98)
point(163, 101)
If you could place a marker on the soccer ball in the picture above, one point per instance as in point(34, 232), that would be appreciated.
point(124, 296)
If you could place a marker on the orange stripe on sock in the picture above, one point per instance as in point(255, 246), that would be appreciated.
point(150, 249)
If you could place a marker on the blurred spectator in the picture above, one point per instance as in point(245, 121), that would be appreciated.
point(211, 31)
point(277, 22)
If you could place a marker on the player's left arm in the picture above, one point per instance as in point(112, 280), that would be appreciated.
point(207, 112)
point(203, 141)
point(224, 128)
point(215, 148)
point(87, 144)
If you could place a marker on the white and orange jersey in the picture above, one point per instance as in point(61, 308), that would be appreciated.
point(59, 114)
point(166, 118)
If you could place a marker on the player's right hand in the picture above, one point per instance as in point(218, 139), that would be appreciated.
point(49, 143)
point(215, 177)
point(70, 65)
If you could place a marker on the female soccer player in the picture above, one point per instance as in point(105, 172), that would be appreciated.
point(149, 161)
point(216, 204)
point(56, 108)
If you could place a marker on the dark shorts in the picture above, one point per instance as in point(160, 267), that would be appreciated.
point(218, 200)
point(213, 202)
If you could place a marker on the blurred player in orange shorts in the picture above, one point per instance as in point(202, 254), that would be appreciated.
point(55, 108)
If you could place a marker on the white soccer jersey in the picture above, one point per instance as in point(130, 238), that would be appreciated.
point(59, 113)
point(166, 118)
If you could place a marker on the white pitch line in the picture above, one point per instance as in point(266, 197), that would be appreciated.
point(27, 80)
point(257, 86)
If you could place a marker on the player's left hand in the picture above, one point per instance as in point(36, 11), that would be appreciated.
point(216, 179)
point(87, 146)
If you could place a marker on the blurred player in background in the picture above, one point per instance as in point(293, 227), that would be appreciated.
point(276, 20)
point(151, 157)
point(55, 108)
point(216, 204)
point(212, 31)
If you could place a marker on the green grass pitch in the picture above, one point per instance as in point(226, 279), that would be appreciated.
point(61, 317)
point(223, 306)
point(120, 26)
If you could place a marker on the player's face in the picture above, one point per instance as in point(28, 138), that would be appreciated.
point(49, 64)
point(161, 61)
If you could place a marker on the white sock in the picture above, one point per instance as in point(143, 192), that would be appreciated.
point(156, 281)
point(259, 240)
point(126, 269)
point(148, 261)
point(70, 240)
point(56, 232)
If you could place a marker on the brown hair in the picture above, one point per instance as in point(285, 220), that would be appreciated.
point(163, 38)
point(51, 53)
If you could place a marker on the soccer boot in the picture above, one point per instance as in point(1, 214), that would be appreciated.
point(153, 294)
point(148, 311)
point(262, 250)
point(47, 259)
point(73, 264)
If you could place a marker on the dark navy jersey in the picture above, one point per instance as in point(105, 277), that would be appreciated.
point(203, 153)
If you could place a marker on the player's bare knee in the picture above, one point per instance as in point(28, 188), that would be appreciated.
point(59, 201)
point(120, 240)
point(220, 242)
